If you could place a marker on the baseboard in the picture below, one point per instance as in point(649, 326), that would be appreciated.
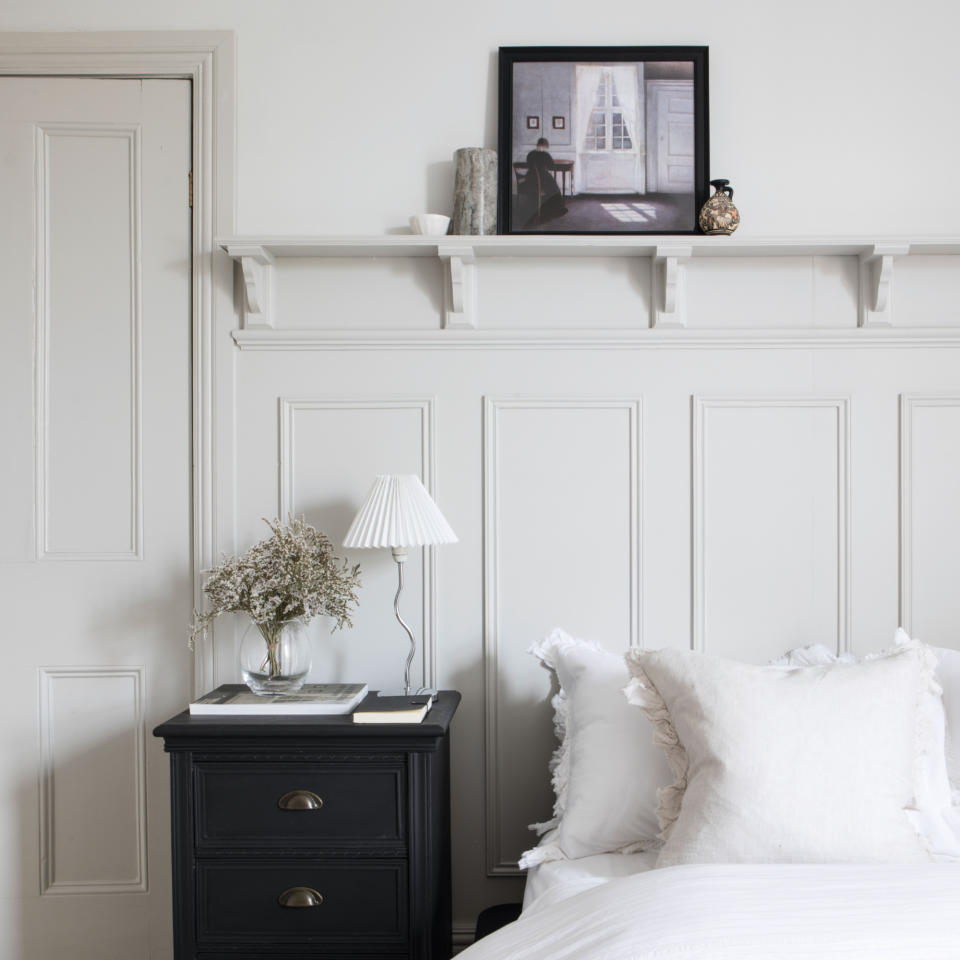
point(462, 936)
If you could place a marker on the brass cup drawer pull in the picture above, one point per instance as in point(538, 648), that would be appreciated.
point(300, 897)
point(300, 800)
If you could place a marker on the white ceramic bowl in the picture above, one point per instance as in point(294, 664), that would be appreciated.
point(430, 224)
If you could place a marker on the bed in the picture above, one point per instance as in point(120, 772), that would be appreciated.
point(601, 910)
point(829, 830)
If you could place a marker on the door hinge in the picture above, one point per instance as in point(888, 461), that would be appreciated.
point(190, 189)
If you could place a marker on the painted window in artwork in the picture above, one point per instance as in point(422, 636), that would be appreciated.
point(621, 136)
point(608, 128)
point(597, 135)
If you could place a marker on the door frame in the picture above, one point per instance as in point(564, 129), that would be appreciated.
point(208, 59)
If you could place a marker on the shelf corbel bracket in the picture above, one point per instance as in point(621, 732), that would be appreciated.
point(460, 307)
point(876, 283)
point(668, 275)
point(256, 269)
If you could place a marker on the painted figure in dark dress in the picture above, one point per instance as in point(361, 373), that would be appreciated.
point(539, 198)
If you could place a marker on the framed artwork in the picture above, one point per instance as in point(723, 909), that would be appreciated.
point(600, 140)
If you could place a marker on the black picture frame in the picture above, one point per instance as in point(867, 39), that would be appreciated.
point(617, 107)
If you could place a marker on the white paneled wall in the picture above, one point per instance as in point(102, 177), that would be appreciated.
point(930, 515)
point(770, 487)
point(384, 435)
point(546, 507)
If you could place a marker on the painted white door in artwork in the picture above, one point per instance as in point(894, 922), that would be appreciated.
point(672, 139)
point(95, 508)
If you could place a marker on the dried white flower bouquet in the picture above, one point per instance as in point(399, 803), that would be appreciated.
point(292, 574)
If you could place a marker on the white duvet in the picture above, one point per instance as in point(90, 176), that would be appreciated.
point(745, 911)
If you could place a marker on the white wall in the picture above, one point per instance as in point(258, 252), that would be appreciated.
point(829, 118)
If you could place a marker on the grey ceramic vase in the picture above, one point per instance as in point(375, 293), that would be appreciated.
point(474, 192)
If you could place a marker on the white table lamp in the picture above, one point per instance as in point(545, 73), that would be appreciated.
point(399, 513)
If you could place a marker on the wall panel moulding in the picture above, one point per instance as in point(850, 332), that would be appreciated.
point(670, 260)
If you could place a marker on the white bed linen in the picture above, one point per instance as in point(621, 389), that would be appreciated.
point(746, 912)
point(549, 883)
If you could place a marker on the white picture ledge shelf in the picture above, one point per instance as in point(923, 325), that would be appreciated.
point(668, 256)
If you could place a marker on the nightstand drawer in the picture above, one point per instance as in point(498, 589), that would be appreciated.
point(327, 903)
point(270, 804)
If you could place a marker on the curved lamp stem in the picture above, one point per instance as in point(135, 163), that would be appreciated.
point(400, 556)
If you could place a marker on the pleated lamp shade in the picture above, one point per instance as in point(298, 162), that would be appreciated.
point(398, 512)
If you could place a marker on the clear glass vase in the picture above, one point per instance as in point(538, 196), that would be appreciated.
point(275, 657)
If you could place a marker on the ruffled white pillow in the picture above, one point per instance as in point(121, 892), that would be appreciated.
point(942, 769)
point(607, 770)
point(780, 764)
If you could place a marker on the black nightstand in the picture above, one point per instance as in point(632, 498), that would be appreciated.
point(310, 837)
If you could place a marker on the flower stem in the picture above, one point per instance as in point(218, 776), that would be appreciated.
point(271, 634)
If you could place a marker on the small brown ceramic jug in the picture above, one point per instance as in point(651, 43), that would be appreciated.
point(718, 216)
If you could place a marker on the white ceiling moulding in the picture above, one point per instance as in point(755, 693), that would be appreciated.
point(669, 261)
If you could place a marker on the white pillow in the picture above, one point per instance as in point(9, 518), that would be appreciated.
point(780, 764)
point(607, 769)
point(948, 676)
point(942, 770)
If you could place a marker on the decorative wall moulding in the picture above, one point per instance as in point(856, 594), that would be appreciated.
point(498, 636)
point(841, 444)
point(910, 405)
point(669, 259)
point(642, 339)
point(423, 409)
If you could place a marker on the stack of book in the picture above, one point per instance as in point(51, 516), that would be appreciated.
point(312, 699)
point(379, 709)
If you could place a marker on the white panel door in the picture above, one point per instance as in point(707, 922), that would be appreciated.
point(95, 507)
point(672, 142)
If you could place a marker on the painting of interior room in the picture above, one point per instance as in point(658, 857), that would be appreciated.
point(603, 147)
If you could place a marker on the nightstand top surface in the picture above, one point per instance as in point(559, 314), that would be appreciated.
point(184, 727)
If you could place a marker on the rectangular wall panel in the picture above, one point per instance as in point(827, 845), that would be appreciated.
point(924, 292)
point(88, 342)
point(561, 548)
point(770, 525)
point(330, 452)
point(930, 518)
point(92, 784)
